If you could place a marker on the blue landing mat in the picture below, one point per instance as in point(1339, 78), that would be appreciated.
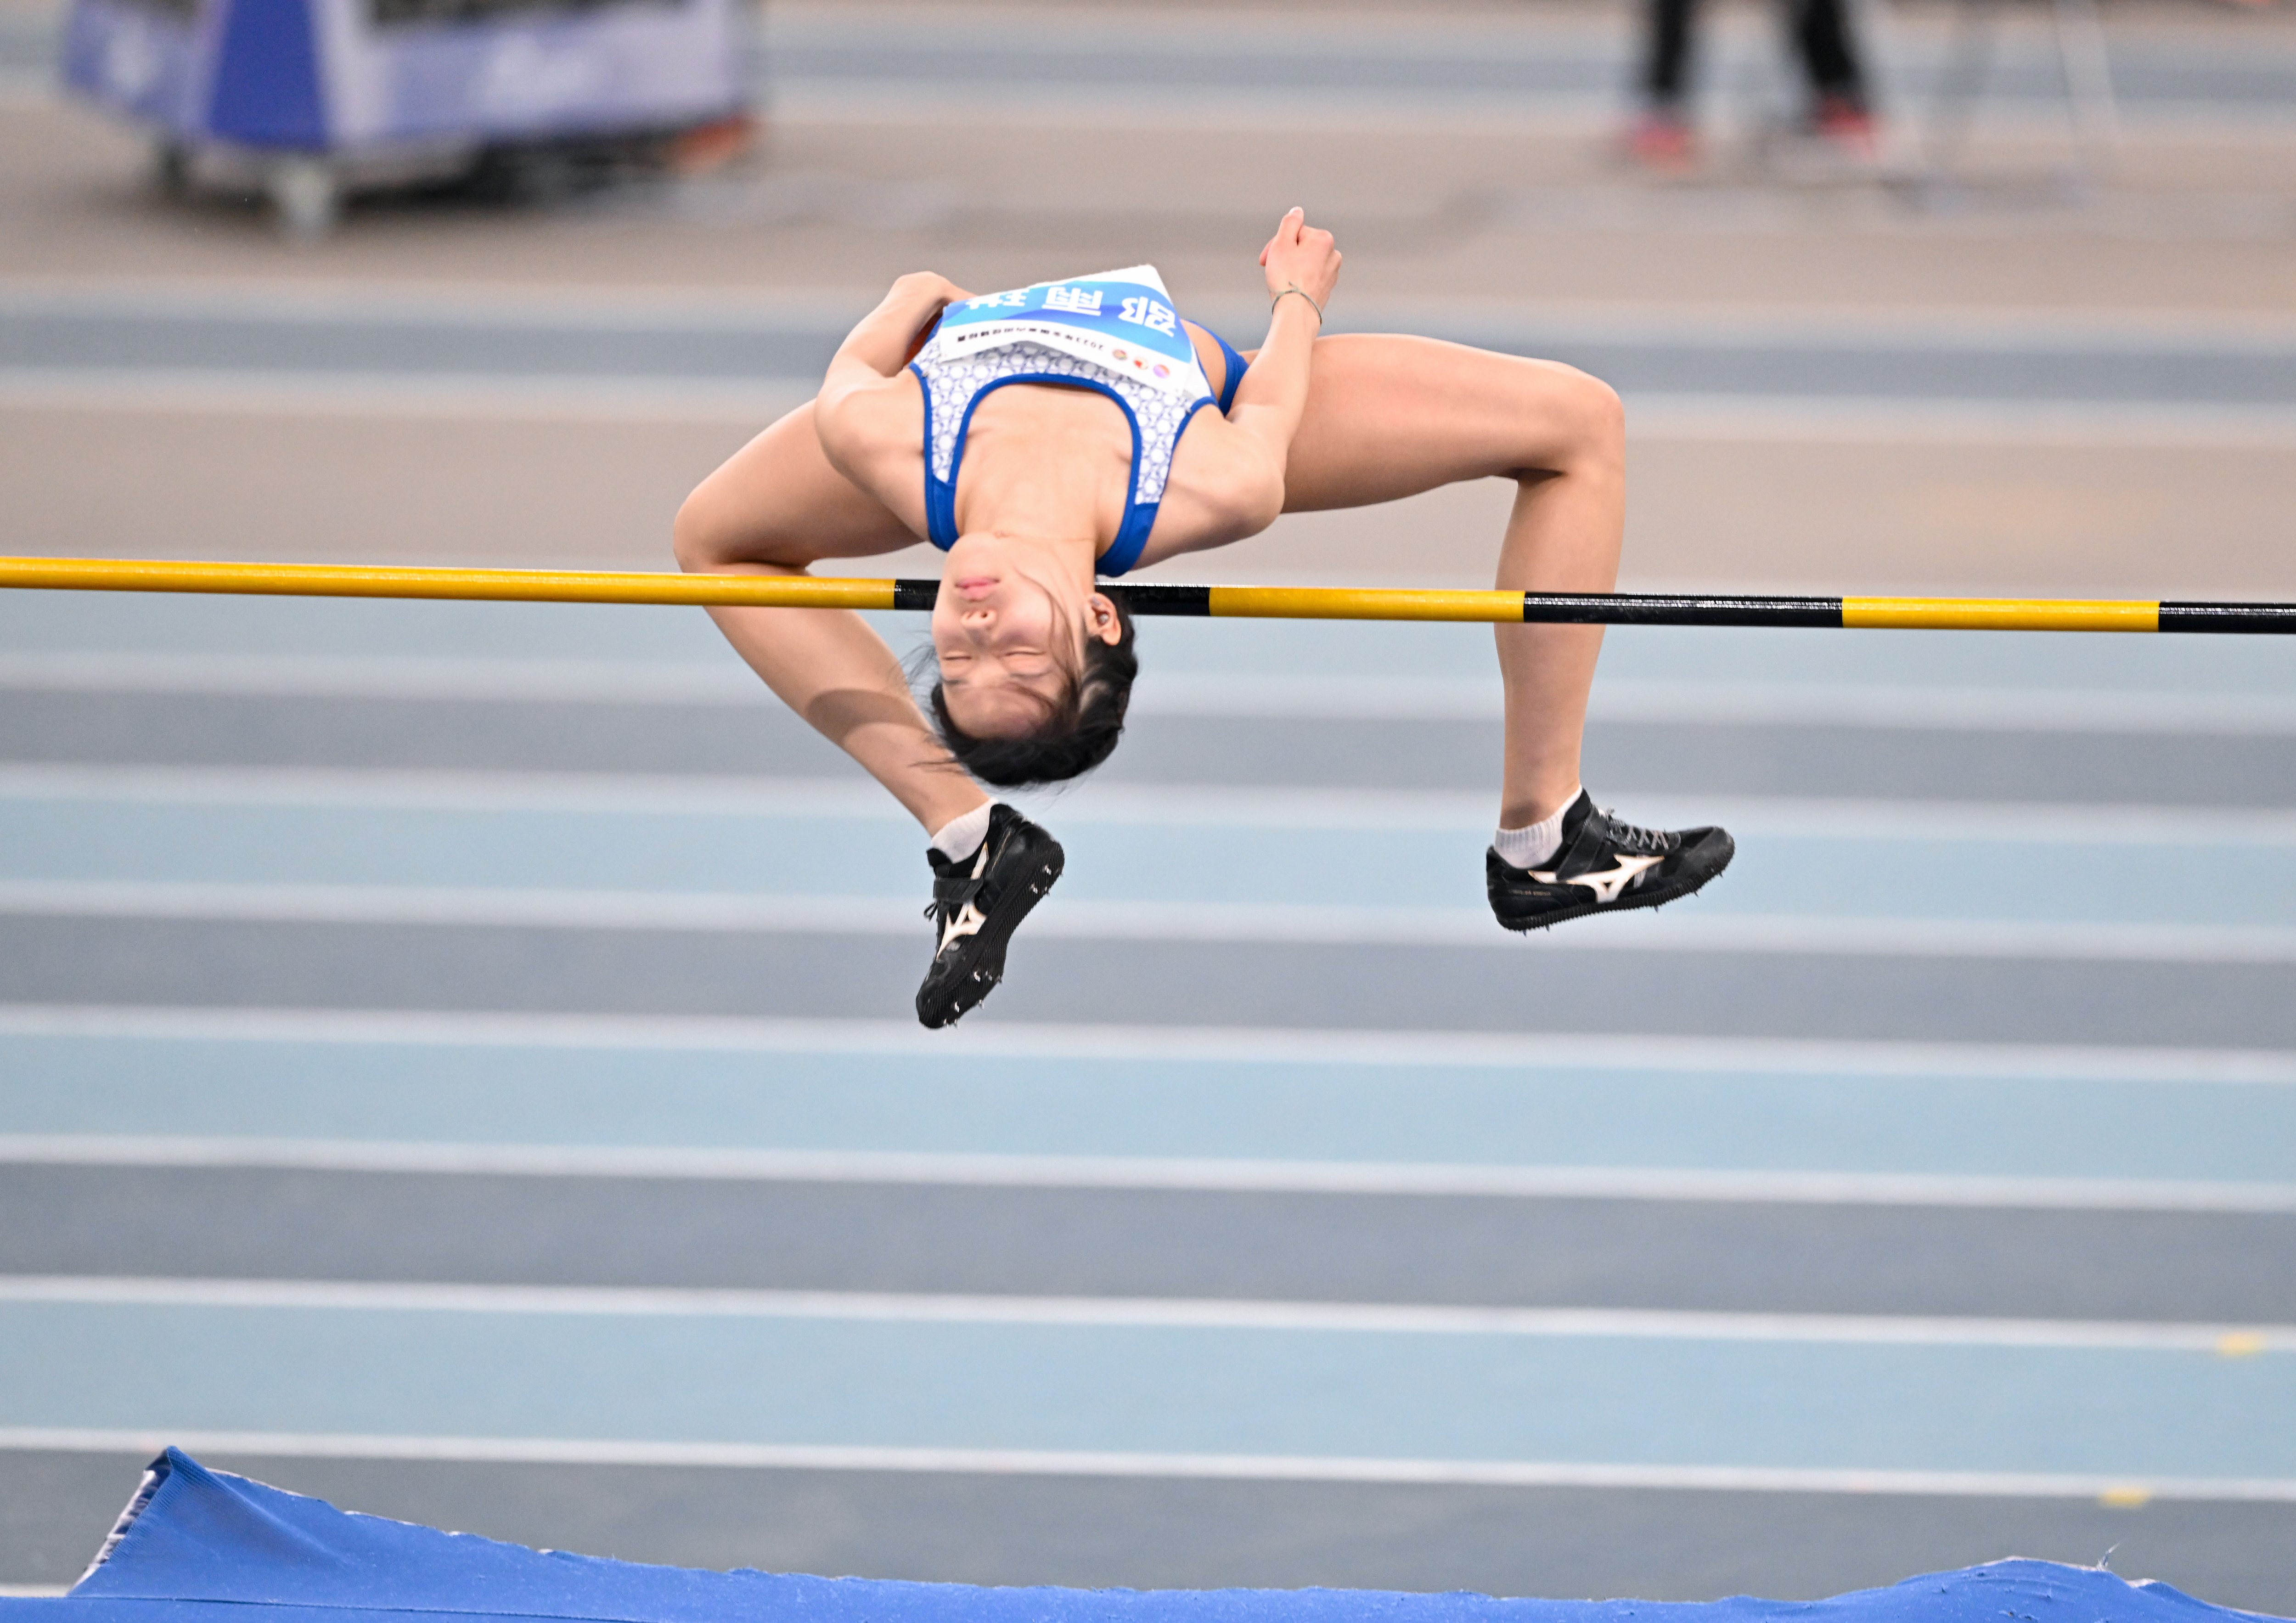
point(194, 1540)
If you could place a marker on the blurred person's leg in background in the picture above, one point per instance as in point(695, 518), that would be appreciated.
point(1661, 135)
point(1838, 111)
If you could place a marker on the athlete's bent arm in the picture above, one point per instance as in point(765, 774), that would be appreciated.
point(780, 505)
point(863, 411)
point(1302, 265)
point(1231, 482)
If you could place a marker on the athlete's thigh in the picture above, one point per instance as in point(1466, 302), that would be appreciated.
point(778, 500)
point(1389, 417)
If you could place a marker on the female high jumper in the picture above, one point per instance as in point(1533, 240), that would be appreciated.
point(1049, 436)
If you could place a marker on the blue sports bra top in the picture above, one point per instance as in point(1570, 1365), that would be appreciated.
point(1115, 334)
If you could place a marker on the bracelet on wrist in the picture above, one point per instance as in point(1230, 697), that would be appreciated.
point(1292, 289)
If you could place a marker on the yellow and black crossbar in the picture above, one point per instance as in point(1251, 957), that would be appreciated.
point(1156, 597)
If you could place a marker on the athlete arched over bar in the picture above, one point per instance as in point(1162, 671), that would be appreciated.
point(1047, 436)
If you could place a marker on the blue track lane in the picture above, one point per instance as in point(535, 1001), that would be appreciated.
point(1682, 1400)
point(1731, 1108)
point(2048, 875)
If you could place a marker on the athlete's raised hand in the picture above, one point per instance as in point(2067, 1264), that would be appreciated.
point(1301, 256)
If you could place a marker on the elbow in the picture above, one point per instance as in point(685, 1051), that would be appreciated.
point(834, 428)
point(1255, 501)
point(1266, 504)
point(697, 534)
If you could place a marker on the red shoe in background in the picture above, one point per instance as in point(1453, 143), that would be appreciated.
point(1663, 141)
point(1848, 127)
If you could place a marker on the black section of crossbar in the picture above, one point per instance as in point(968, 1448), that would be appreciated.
point(1661, 609)
point(2260, 619)
point(1140, 597)
point(1668, 609)
point(1161, 597)
point(1538, 608)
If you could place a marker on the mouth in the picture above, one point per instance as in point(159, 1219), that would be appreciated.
point(975, 586)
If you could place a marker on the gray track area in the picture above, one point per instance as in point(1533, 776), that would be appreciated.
point(80, 336)
point(1961, 998)
point(1658, 1545)
point(1586, 70)
point(1450, 1251)
point(1908, 763)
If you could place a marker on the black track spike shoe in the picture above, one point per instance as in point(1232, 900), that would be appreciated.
point(977, 905)
point(1607, 867)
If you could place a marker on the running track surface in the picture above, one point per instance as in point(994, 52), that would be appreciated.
point(456, 1060)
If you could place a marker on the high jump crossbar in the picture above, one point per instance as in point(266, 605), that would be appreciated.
point(1155, 597)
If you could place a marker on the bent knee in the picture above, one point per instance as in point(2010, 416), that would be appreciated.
point(715, 531)
point(1578, 420)
point(1596, 414)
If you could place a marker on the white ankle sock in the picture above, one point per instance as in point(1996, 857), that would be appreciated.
point(1526, 847)
point(961, 837)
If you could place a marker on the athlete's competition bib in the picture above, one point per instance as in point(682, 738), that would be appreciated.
point(1122, 320)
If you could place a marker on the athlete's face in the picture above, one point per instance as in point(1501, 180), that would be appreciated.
point(1009, 628)
point(1004, 644)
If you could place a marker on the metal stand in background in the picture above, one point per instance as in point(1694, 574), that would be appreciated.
point(2085, 72)
point(1920, 150)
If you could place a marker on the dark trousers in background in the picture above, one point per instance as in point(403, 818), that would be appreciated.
point(1821, 36)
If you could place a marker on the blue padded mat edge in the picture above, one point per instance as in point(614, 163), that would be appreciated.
point(196, 1540)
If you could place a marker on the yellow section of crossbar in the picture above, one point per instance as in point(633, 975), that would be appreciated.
point(501, 585)
point(1362, 603)
point(1998, 614)
point(808, 592)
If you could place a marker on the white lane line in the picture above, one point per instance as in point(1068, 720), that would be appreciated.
point(1199, 1174)
point(373, 304)
point(1221, 1467)
point(1271, 923)
point(525, 791)
point(1146, 1313)
point(572, 398)
point(1226, 1467)
point(552, 306)
point(1652, 414)
point(1248, 697)
point(1628, 699)
point(430, 678)
point(1243, 805)
point(1192, 1045)
point(1281, 109)
point(1765, 419)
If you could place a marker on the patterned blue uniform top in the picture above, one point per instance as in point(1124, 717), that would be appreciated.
point(1116, 333)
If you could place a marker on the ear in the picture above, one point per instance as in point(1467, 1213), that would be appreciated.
point(1100, 619)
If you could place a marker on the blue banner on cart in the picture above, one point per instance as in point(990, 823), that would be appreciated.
point(199, 1547)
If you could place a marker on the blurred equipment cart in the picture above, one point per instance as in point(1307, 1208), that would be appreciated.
point(307, 99)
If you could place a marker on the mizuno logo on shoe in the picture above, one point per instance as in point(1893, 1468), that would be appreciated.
point(1606, 887)
point(966, 920)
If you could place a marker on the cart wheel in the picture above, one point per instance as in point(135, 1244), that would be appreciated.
point(305, 196)
point(171, 171)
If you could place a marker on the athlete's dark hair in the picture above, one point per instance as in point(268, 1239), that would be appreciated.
point(1080, 726)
